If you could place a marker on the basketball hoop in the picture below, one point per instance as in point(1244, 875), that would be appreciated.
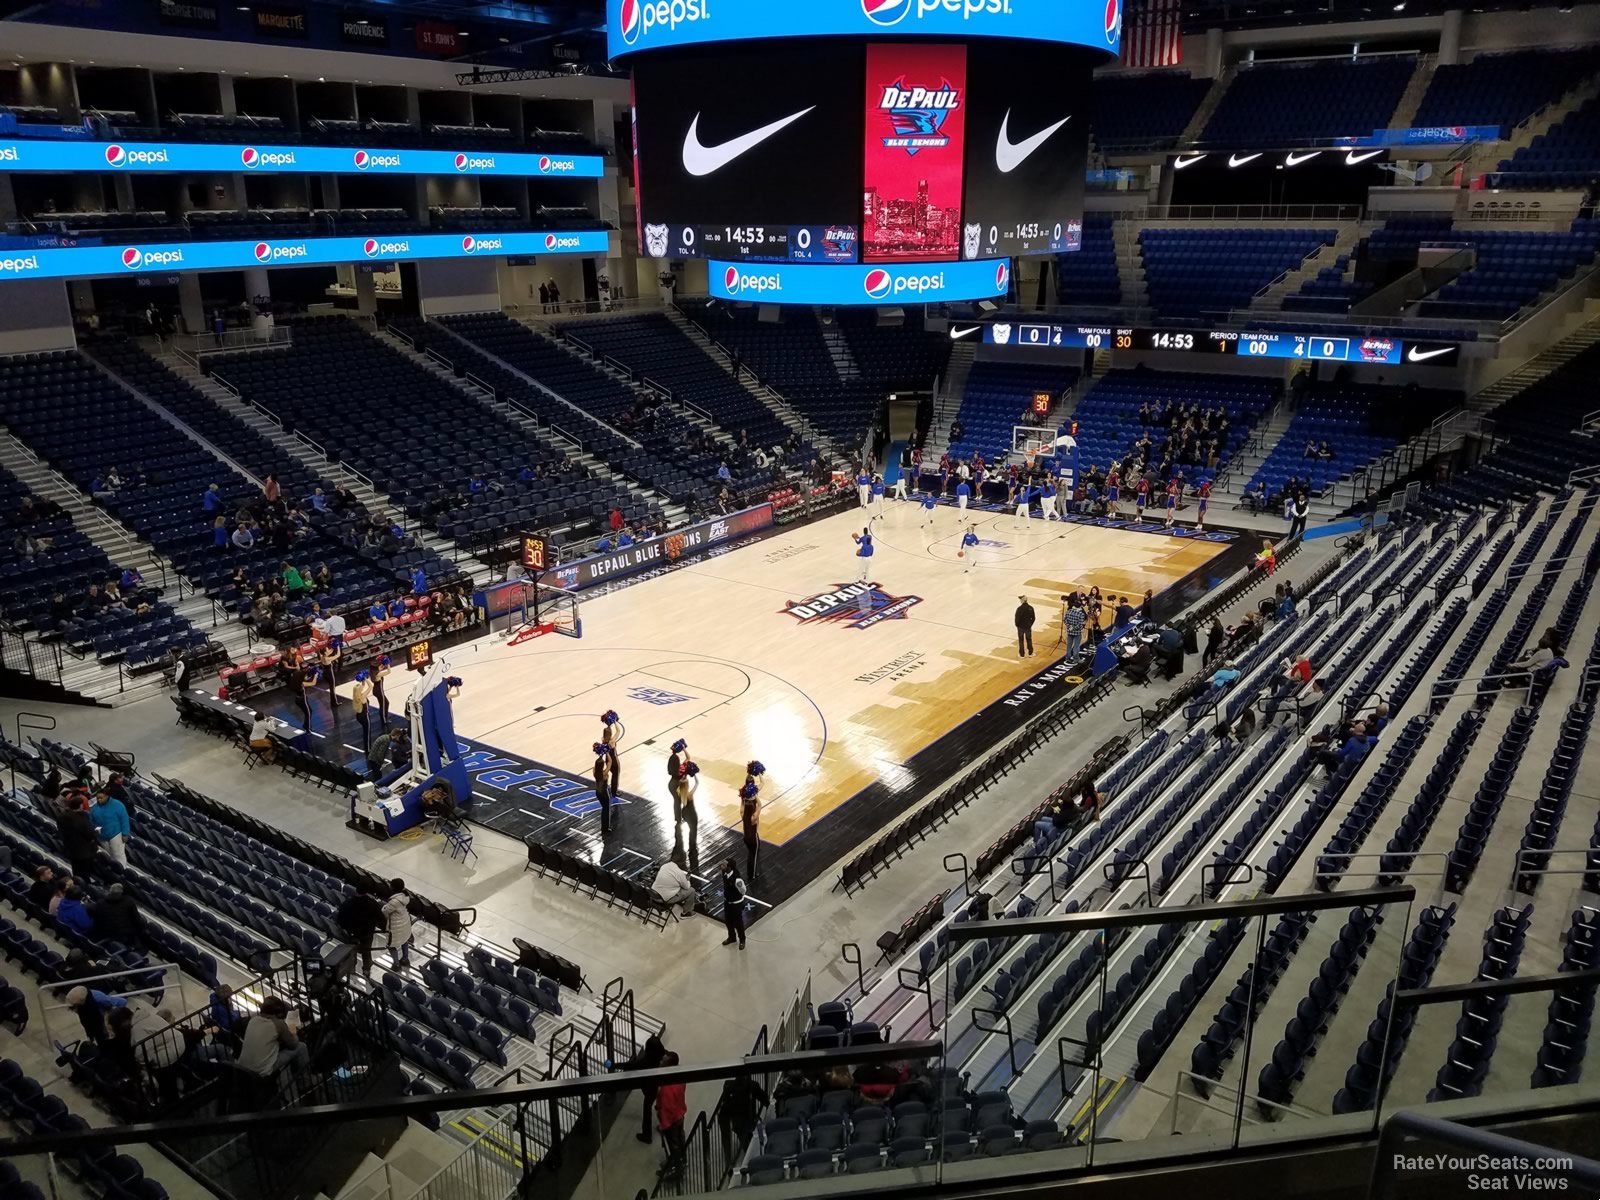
point(535, 609)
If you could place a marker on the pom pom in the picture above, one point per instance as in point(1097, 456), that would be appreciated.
point(747, 792)
point(599, 748)
point(692, 768)
point(609, 717)
point(755, 768)
point(453, 681)
point(363, 675)
point(679, 746)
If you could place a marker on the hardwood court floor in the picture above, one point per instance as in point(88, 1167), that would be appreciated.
point(767, 652)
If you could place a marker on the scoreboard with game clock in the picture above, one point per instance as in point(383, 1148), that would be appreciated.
point(1302, 346)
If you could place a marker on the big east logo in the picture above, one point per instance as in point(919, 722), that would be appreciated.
point(916, 115)
point(858, 605)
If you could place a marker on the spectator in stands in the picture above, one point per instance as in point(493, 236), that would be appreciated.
point(673, 886)
point(397, 606)
point(110, 819)
point(294, 583)
point(43, 887)
point(61, 610)
point(211, 500)
point(1299, 670)
point(101, 486)
point(224, 1021)
point(648, 1059)
point(71, 912)
point(219, 533)
point(359, 918)
point(397, 922)
point(1311, 449)
point(94, 601)
point(671, 1108)
point(271, 490)
point(116, 915)
point(80, 841)
point(244, 537)
point(1257, 500)
point(1224, 675)
point(1380, 717)
point(270, 1043)
point(419, 581)
point(91, 1007)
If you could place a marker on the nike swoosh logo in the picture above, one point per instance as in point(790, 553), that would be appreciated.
point(1415, 355)
point(700, 160)
point(1008, 155)
point(1181, 162)
point(1235, 160)
point(1294, 160)
point(957, 334)
point(1351, 159)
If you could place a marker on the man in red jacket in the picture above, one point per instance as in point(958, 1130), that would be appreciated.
point(671, 1108)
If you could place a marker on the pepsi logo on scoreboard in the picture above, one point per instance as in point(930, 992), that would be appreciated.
point(634, 26)
point(838, 284)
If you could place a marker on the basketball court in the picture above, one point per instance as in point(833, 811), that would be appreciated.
point(774, 651)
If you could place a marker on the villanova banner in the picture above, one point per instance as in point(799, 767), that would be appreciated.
point(635, 25)
point(22, 258)
point(132, 158)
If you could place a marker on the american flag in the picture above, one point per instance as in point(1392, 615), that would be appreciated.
point(1154, 36)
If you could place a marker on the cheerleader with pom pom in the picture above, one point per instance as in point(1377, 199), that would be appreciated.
point(611, 733)
point(679, 756)
point(750, 815)
point(688, 785)
point(602, 785)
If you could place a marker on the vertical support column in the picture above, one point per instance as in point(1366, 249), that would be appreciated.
point(190, 304)
point(366, 292)
point(230, 106)
point(1211, 65)
point(1450, 38)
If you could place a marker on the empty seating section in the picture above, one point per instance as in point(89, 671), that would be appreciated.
point(1298, 103)
point(1149, 111)
point(226, 224)
point(1190, 272)
point(1109, 422)
point(1358, 421)
point(656, 349)
point(1513, 269)
point(45, 557)
point(1567, 156)
point(629, 428)
point(998, 397)
point(402, 427)
point(1329, 290)
point(894, 357)
point(1089, 275)
point(791, 356)
point(1503, 89)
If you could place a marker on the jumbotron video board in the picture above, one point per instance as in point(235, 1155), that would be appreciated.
point(861, 133)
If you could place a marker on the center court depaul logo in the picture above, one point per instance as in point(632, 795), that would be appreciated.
point(858, 605)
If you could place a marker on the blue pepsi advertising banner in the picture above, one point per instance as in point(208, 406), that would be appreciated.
point(635, 25)
point(29, 154)
point(81, 261)
point(909, 283)
point(1427, 135)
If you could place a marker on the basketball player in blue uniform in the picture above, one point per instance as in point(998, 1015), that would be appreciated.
point(969, 546)
point(929, 503)
point(877, 493)
point(863, 542)
point(1024, 502)
point(963, 492)
point(1047, 501)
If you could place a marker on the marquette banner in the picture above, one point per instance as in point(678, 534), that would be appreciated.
point(81, 261)
point(635, 25)
point(27, 154)
point(919, 283)
point(661, 551)
point(916, 120)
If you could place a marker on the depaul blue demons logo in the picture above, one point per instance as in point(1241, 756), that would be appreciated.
point(858, 605)
point(917, 114)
